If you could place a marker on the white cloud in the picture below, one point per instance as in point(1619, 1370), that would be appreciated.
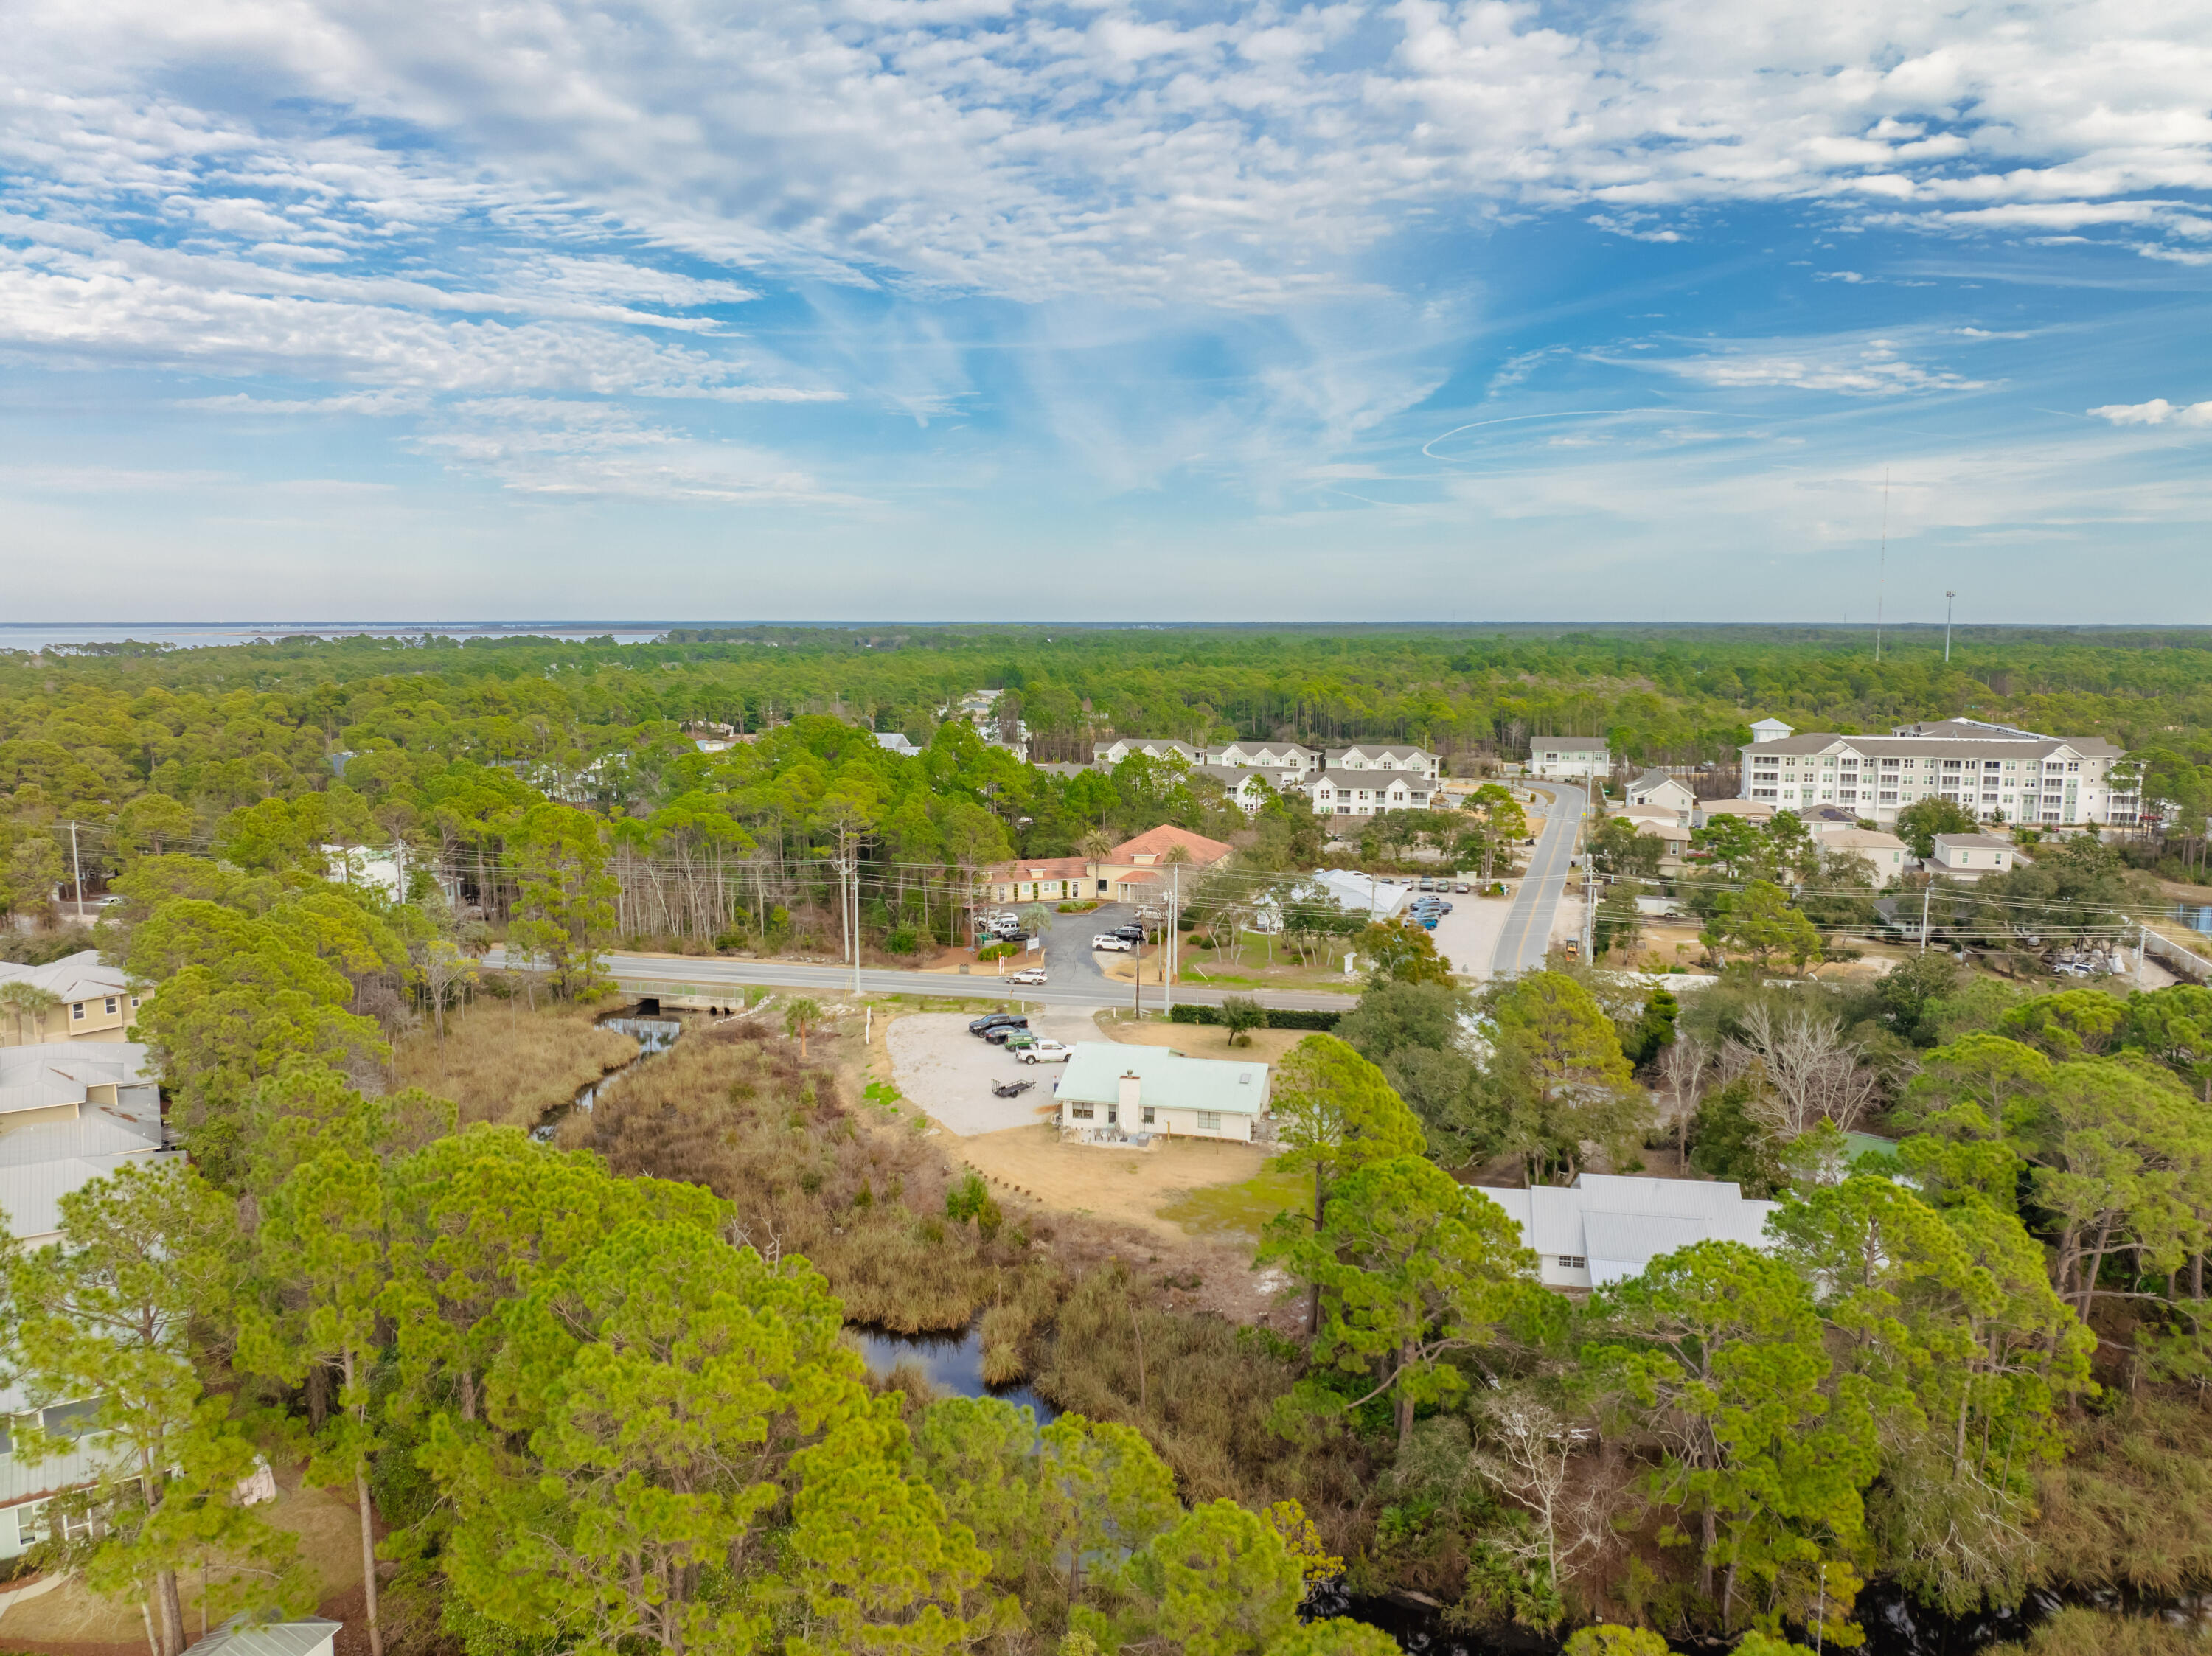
point(560, 448)
point(1853, 366)
point(2156, 412)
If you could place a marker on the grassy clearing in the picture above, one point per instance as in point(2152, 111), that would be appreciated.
point(1239, 1209)
point(2132, 1506)
point(506, 1064)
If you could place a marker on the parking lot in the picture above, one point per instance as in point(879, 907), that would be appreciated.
point(949, 1073)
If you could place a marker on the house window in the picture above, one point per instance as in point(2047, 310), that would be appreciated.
point(1887, 797)
point(1574, 1262)
point(111, 1006)
point(1148, 1114)
point(1209, 1121)
point(27, 1523)
point(1080, 1112)
point(76, 1012)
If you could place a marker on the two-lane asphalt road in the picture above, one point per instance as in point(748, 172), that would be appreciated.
point(1527, 937)
point(708, 975)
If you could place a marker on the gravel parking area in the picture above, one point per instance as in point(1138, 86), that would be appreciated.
point(949, 1073)
point(1467, 936)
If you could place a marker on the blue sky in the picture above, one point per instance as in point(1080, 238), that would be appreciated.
point(972, 308)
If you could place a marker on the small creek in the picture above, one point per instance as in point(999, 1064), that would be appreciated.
point(653, 1035)
point(951, 1362)
point(1893, 1624)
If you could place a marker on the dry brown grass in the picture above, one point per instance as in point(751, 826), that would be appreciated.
point(1205, 1396)
point(2100, 1632)
point(2132, 1506)
point(733, 1107)
point(508, 1066)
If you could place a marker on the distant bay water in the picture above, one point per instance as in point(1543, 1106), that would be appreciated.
point(41, 635)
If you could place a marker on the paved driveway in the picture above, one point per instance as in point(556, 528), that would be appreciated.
point(1467, 936)
point(949, 1072)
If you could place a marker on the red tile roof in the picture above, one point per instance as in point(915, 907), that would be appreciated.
point(1039, 868)
point(1157, 841)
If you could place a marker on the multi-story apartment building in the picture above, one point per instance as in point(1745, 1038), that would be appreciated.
point(1354, 781)
point(1995, 771)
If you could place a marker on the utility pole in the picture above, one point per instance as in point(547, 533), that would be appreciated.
point(76, 871)
point(1174, 935)
point(1881, 569)
point(854, 864)
point(1948, 597)
point(1926, 892)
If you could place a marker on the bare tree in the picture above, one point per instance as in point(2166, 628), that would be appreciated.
point(445, 969)
point(1810, 1072)
point(1529, 1453)
point(1683, 1067)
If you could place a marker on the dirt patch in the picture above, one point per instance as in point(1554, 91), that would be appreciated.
point(508, 1065)
point(1208, 1041)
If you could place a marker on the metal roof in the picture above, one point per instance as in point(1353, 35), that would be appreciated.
point(30, 1194)
point(1165, 1077)
point(236, 1637)
point(74, 977)
point(54, 1073)
point(1620, 1224)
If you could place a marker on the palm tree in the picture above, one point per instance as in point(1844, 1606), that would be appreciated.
point(27, 1000)
point(1096, 845)
point(799, 1019)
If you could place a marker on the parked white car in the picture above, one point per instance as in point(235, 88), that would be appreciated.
point(1045, 1052)
point(1027, 975)
point(1108, 943)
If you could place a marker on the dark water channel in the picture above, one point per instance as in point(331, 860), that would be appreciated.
point(951, 1362)
point(654, 1035)
point(1893, 1624)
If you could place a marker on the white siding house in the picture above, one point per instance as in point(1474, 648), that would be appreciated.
point(1110, 1091)
point(1971, 856)
point(1605, 1228)
point(1569, 758)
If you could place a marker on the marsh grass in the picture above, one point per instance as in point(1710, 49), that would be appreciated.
point(509, 1065)
point(735, 1109)
point(2077, 1632)
point(2132, 1506)
point(1205, 1396)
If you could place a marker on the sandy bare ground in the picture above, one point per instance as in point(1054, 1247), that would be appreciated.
point(71, 1619)
point(1129, 1187)
point(1207, 1041)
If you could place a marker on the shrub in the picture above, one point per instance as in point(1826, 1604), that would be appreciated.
point(904, 941)
point(971, 1199)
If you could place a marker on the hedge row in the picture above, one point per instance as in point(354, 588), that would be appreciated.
point(1278, 1017)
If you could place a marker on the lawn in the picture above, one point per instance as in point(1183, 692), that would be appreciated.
point(1239, 1209)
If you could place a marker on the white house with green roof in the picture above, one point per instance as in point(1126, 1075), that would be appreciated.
point(1156, 1090)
